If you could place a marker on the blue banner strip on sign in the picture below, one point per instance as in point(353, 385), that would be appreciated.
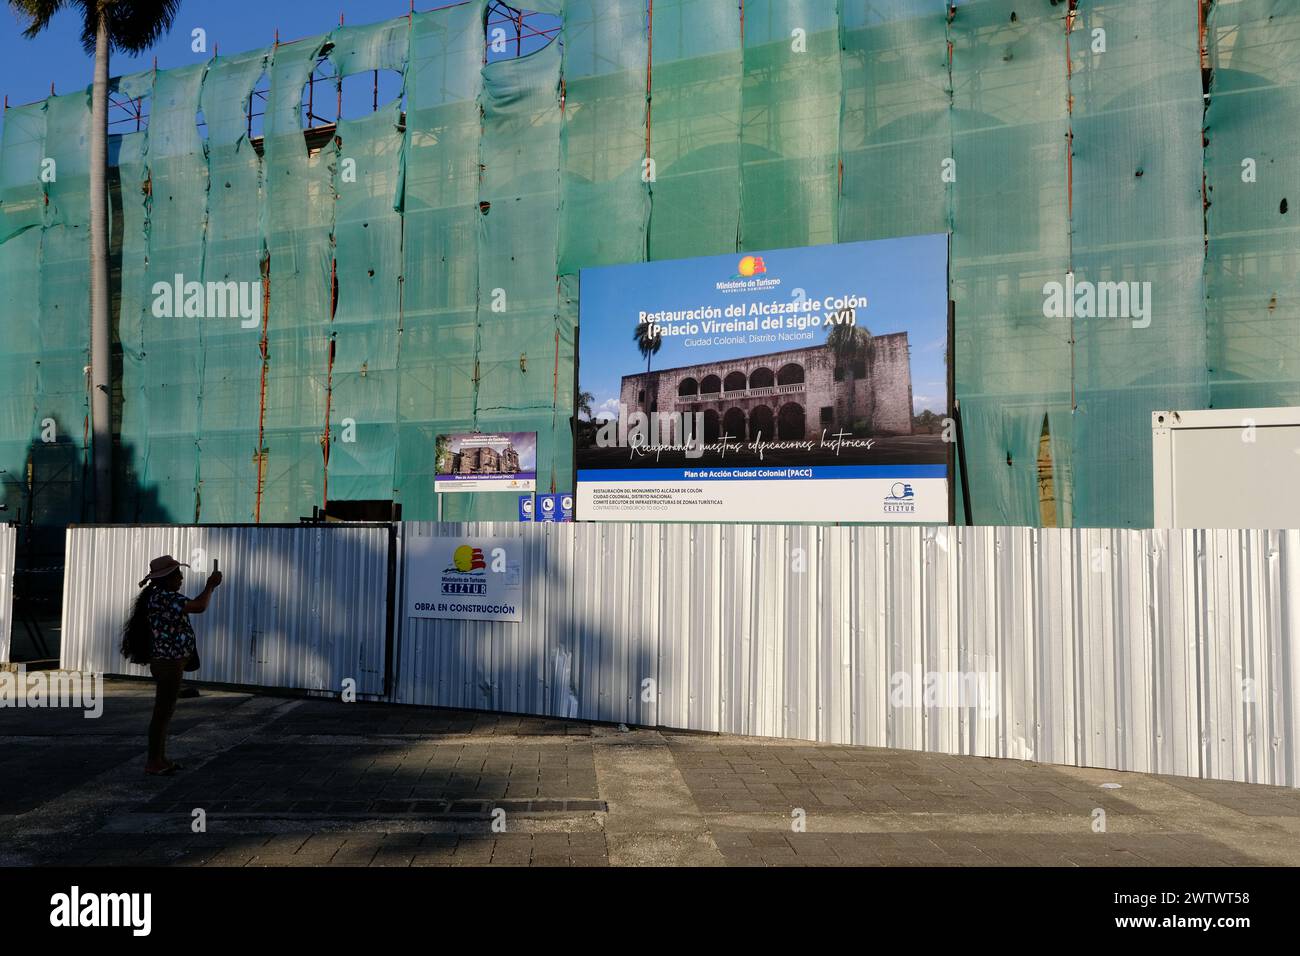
point(791, 473)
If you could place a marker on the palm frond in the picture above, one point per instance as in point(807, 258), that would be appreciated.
point(645, 342)
point(89, 24)
point(136, 25)
point(36, 13)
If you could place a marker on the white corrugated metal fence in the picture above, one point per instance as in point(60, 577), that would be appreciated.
point(301, 607)
point(1158, 651)
point(8, 552)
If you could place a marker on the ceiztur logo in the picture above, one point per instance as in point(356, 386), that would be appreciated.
point(901, 499)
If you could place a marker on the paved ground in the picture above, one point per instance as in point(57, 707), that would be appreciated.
point(299, 782)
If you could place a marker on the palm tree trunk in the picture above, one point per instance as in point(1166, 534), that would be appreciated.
point(645, 406)
point(101, 390)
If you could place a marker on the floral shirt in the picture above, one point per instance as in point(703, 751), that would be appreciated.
point(173, 637)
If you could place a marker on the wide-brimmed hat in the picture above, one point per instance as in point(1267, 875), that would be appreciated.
point(160, 568)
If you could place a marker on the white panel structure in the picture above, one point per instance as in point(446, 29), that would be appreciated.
point(1226, 468)
point(8, 552)
point(301, 607)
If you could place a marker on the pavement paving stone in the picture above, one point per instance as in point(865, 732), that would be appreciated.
point(31, 779)
point(320, 783)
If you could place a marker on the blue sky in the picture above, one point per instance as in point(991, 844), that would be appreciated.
point(905, 282)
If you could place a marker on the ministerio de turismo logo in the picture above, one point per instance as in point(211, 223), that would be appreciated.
point(466, 560)
point(751, 276)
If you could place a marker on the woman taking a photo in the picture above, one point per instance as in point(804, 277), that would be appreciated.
point(158, 633)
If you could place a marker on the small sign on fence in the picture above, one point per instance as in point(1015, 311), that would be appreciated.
point(465, 579)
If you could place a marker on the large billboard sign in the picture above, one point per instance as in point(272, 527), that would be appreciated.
point(783, 386)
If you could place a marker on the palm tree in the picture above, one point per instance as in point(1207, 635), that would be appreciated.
point(648, 345)
point(131, 26)
point(853, 344)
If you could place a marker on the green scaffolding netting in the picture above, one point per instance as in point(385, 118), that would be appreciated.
point(1005, 184)
point(895, 125)
point(790, 123)
point(696, 80)
point(58, 466)
point(22, 213)
point(367, 245)
point(604, 135)
point(520, 347)
point(436, 387)
point(1252, 167)
point(1137, 218)
point(173, 372)
point(300, 204)
point(234, 251)
point(130, 302)
point(415, 270)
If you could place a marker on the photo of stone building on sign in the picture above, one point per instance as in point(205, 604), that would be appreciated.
point(828, 357)
point(790, 395)
point(471, 455)
point(485, 460)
